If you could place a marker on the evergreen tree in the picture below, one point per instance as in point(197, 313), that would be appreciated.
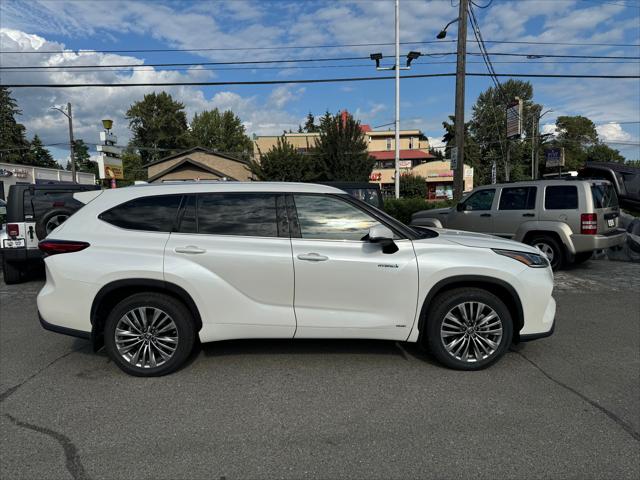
point(40, 156)
point(14, 147)
point(223, 132)
point(310, 125)
point(283, 163)
point(159, 125)
point(82, 159)
point(340, 154)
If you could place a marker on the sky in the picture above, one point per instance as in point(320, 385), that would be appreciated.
point(245, 30)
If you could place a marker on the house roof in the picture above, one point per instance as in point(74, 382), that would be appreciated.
point(404, 155)
point(192, 162)
point(197, 149)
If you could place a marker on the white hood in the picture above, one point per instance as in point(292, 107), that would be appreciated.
point(481, 240)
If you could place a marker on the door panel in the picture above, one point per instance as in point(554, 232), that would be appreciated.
point(478, 213)
point(516, 206)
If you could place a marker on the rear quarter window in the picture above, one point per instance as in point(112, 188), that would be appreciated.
point(561, 197)
point(604, 195)
point(152, 214)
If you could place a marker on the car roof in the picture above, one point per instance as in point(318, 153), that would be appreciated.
point(221, 186)
point(532, 183)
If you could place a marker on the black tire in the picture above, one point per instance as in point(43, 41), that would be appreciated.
point(559, 256)
point(11, 273)
point(184, 329)
point(443, 304)
point(57, 216)
point(582, 257)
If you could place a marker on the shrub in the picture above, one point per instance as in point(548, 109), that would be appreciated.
point(402, 208)
point(413, 186)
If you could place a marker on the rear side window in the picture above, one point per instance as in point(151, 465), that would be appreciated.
point(518, 198)
point(246, 214)
point(604, 195)
point(561, 197)
point(152, 214)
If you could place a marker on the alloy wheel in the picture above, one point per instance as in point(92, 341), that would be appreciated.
point(146, 337)
point(471, 331)
point(546, 249)
point(54, 222)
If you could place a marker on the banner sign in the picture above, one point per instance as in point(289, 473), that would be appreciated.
point(554, 157)
point(514, 119)
point(110, 167)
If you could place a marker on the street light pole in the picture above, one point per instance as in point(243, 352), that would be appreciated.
point(458, 174)
point(70, 118)
point(397, 122)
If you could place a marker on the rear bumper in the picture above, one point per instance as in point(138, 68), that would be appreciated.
point(64, 330)
point(587, 243)
point(17, 255)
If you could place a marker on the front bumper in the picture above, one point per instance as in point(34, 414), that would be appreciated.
point(588, 243)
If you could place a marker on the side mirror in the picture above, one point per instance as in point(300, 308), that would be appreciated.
point(384, 236)
point(460, 207)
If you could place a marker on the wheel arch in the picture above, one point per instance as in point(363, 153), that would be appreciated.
point(500, 288)
point(114, 292)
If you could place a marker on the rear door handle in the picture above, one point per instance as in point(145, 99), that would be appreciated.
point(312, 257)
point(528, 214)
point(485, 214)
point(190, 249)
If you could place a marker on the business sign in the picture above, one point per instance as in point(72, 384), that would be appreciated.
point(404, 164)
point(494, 173)
point(375, 176)
point(514, 119)
point(5, 173)
point(454, 157)
point(110, 167)
point(554, 157)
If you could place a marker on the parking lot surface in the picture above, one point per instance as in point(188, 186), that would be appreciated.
point(563, 407)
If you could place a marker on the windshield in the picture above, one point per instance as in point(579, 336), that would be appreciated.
point(604, 195)
point(368, 195)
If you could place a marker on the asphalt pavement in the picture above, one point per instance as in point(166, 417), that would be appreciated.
point(563, 407)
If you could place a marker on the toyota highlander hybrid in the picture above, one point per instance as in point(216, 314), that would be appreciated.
point(148, 270)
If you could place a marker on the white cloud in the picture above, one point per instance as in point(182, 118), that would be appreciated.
point(613, 132)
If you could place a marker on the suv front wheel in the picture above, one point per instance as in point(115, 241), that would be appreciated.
point(468, 328)
point(149, 334)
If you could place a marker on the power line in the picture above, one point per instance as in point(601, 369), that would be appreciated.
point(146, 68)
point(530, 56)
point(307, 80)
point(302, 47)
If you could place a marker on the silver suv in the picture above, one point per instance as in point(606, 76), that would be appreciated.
point(565, 219)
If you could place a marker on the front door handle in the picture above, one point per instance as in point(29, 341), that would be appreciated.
point(312, 257)
point(485, 214)
point(528, 214)
point(190, 249)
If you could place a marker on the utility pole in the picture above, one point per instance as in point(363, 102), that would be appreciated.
point(533, 145)
point(70, 118)
point(73, 162)
point(397, 122)
point(458, 175)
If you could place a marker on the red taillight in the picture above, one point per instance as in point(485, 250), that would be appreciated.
point(13, 230)
point(53, 247)
point(589, 223)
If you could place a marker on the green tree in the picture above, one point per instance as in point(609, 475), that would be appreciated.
point(340, 153)
point(603, 153)
point(472, 151)
point(82, 159)
point(14, 147)
point(283, 163)
point(413, 186)
point(310, 124)
point(158, 124)
point(488, 129)
point(223, 132)
point(40, 156)
point(132, 166)
point(576, 134)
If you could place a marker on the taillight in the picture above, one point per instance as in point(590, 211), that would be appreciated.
point(13, 230)
point(589, 223)
point(53, 247)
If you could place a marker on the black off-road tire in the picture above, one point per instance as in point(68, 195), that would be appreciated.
point(41, 223)
point(442, 305)
point(180, 315)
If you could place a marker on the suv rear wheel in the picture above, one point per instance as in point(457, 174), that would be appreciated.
point(468, 328)
point(149, 334)
point(551, 248)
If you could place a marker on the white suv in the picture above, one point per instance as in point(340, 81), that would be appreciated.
point(147, 269)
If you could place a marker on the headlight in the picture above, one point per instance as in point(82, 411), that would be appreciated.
point(532, 260)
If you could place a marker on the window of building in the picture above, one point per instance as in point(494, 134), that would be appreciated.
point(518, 198)
point(411, 143)
point(329, 218)
point(246, 214)
point(481, 200)
point(388, 144)
point(152, 214)
point(561, 197)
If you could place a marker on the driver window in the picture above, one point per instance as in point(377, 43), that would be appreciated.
point(481, 200)
point(329, 218)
